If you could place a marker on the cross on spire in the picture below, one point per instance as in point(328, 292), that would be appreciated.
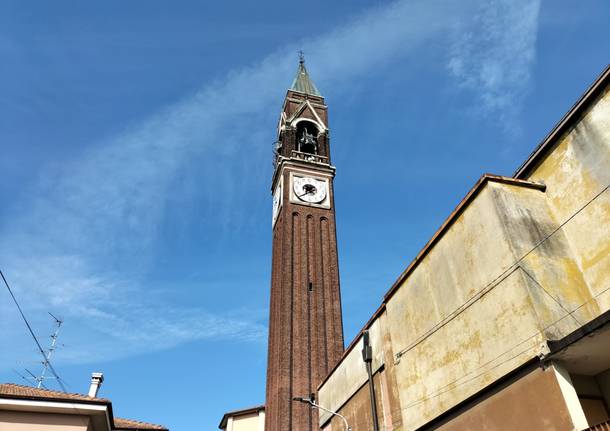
point(302, 83)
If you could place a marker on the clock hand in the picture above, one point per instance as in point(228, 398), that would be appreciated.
point(309, 189)
point(307, 192)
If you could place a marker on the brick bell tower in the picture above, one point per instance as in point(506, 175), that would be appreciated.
point(305, 326)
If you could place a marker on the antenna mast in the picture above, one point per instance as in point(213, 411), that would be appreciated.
point(39, 380)
point(45, 363)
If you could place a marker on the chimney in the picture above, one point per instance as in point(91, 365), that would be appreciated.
point(96, 381)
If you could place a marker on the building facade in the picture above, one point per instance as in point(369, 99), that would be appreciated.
point(305, 326)
point(502, 321)
point(250, 419)
point(24, 408)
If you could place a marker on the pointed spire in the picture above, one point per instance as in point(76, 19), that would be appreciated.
point(302, 83)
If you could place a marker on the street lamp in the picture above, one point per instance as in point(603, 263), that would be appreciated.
point(313, 404)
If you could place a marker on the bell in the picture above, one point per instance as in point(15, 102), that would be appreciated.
point(308, 143)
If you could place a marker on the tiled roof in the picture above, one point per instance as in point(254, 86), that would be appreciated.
point(12, 390)
point(128, 424)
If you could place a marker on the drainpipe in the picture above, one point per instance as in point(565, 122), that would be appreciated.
point(367, 356)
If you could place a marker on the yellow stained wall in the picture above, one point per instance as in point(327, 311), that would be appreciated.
point(516, 268)
point(576, 171)
point(467, 315)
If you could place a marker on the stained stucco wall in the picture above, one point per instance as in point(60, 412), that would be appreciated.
point(351, 378)
point(352, 374)
point(468, 314)
point(517, 406)
point(575, 172)
point(516, 267)
point(25, 421)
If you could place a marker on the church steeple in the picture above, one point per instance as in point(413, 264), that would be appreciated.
point(302, 82)
point(305, 327)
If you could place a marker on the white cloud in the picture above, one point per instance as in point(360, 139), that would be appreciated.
point(492, 54)
point(155, 330)
point(78, 235)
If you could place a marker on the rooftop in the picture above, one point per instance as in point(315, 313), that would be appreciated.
point(14, 391)
point(131, 425)
point(11, 390)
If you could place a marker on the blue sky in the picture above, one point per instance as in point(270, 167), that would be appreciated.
point(136, 144)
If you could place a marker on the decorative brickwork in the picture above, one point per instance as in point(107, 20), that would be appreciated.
point(305, 326)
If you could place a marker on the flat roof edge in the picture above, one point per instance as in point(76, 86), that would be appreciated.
point(566, 121)
point(588, 328)
point(484, 179)
point(459, 209)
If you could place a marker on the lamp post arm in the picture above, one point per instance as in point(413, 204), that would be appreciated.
point(347, 427)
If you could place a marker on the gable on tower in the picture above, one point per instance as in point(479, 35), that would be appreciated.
point(303, 123)
point(306, 112)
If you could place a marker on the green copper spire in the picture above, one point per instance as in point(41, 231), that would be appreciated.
point(301, 82)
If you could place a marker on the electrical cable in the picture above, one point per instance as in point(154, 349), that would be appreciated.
point(495, 282)
point(531, 277)
point(40, 349)
point(456, 383)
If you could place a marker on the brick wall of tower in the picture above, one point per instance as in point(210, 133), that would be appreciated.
point(305, 326)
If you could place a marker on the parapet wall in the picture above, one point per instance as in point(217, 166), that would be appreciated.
point(519, 262)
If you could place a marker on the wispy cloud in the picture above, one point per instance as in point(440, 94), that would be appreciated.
point(492, 54)
point(76, 239)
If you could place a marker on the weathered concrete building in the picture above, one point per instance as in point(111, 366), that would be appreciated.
point(502, 320)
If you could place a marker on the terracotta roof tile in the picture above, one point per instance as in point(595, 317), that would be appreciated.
point(19, 391)
point(131, 425)
point(11, 390)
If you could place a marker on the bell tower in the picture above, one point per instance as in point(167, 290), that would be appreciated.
point(305, 326)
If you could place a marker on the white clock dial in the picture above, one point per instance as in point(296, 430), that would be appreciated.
point(309, 189)
point(277, 200)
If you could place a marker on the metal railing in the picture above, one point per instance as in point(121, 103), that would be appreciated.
point(308, 157)
point(604, 426)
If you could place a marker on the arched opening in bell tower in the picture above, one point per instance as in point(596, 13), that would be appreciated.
point(307, 137)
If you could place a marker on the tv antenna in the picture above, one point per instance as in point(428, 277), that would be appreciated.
point(38, 380)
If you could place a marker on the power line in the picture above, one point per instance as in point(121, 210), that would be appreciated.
point(509, 270)
point(39, 380)
point(457, 383)
point(495, 282)
point(27, 379)
point(40, 349)
point(531, 277)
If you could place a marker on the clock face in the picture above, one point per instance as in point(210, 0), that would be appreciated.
point(277, 200)
point(309, 189)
